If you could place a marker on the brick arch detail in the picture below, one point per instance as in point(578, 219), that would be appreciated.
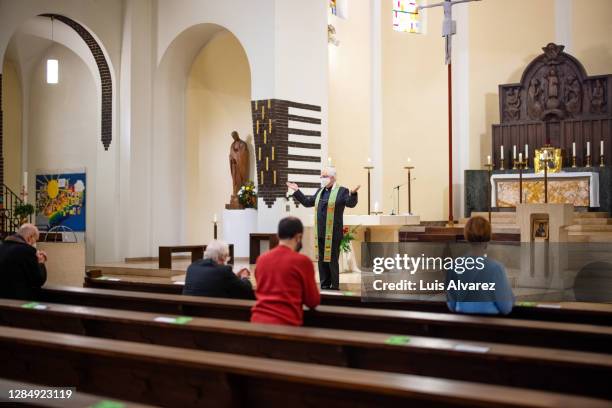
point(105, 75)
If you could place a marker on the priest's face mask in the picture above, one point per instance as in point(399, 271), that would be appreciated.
point(326, 179)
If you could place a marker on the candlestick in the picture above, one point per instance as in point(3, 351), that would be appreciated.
point(488, 159)
point(588, 148)
point(25, 182)
point(489, 168)
point(408, 168)
point(514, 152)
point(368, 168)
point(589, 161)
point(601, 161)
point(214, 221)
point(501, 164)
point(573, 149)
point(601, 147)
point(521, 166)
point(526, 156)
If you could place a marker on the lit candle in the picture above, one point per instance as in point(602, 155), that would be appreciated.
point(526, 151)
point(408, 160)
point(601, 148)
point(376, 207)
point(588, 148)
point(573, 149)
point(488, 159)
point(215, 218)
point(514, 152)
point(369, 161)
point(502, 152)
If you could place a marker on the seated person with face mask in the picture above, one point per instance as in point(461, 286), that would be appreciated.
point(22, 267)
point(285, 279)
point(212, 277)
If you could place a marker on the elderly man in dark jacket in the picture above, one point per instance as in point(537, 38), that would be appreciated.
point(212, 277)
point(22, 267)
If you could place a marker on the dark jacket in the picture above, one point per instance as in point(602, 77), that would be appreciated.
point(21, 276)
point(343, 199)
point(207, 278)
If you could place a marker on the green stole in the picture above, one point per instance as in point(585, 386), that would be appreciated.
point(329, 224)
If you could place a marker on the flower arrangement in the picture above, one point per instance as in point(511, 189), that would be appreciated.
point(348, 235)
point(247, 195)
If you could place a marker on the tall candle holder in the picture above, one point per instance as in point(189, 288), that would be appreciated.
point(522, 165)
point(589, 162)
point(501, 164)
point(369, 168)
point(408, 168)
point(545, 161)
point(214, 229)
point(514, 163)
point(489, 168)
point(574, 162)
point(601, 161)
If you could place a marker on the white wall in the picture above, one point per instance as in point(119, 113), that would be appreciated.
point(63, 131)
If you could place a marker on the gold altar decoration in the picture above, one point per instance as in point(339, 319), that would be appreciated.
point(551, 152)
point(574, 191)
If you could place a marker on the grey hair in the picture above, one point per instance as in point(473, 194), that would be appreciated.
point(28, 230)
point(216, 249)
point(331, 171)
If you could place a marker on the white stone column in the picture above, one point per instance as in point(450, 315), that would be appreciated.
point(563, 23)
point(461, 109)
point(135, 142)
point(376, 107)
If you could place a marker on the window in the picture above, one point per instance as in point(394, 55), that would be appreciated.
point(406, 16)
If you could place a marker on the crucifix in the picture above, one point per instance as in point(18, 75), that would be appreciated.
point(449, 28)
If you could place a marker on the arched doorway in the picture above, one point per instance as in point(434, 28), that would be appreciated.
point(202, 93)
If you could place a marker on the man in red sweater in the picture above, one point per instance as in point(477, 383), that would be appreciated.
point(285, 279)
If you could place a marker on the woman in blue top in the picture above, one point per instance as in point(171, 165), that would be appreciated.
point(498, 300)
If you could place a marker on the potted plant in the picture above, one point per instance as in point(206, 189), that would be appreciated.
point(23, 211)
point(348, 262)
point(247, 195)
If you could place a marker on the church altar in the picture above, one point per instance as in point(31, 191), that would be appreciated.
point(372, 228)
point(580, 189)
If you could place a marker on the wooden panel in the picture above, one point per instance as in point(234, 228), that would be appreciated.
point(171, 376)
point(498, 330)
point(535, 368)
point(599, 314)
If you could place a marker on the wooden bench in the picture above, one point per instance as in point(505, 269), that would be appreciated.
point(172, 376)
point(539, 368)
point(77, 399)
point(599, 314)
point(255, 241)
point(491, 329)
point(197, 252)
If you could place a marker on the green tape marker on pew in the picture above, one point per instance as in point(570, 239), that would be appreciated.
point(527, 304)
point(108, 404)
point(348, 293)
point(174, 320)
point(34, 305)
point(398, 340)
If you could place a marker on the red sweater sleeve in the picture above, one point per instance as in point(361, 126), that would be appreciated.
point(312, 297)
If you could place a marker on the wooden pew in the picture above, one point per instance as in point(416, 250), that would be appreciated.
point(76, 400)
point(599, 314)
point(477, 328)
point(171, 376)
point(538, 368)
